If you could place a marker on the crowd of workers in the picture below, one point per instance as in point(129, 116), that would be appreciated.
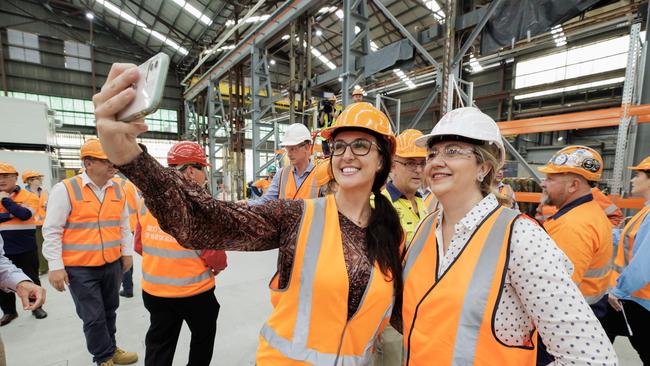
point(393, 250)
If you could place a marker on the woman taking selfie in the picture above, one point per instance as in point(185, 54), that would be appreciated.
point(480, 280)
point(339, 263)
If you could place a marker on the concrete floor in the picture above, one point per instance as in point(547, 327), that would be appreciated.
point(241, 291)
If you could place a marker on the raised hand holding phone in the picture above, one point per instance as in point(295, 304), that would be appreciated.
point(148, 89)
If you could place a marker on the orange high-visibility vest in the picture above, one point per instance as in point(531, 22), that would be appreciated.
point(431, 203)
point(131, 200)
point(29, 201)
point(39, 216)
point(168, 269)
point(92, 235)
point(448, 317)
point(585, 235)
point(309, 324)
point(288, 190)
point(614, 214)
point(623, 254)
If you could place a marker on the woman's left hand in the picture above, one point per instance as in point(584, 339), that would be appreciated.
point(614, 302)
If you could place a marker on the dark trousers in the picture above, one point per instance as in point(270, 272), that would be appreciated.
point(638, 318)
point(28, 263)
point(95, 292)
point(42, 262)
point(127, 280)
point(200, 312)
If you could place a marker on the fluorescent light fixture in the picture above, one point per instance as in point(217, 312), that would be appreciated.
point(339, 13)
point(129, 18)
point(272, 62)
point(285, 37)
point(373, 46)
point(473, 63)
point(571, 88)
point(405, 79)
point(89, 16)
point(251, 19)
point(318, 33)
point(326, 9)
point(194, 11)
point(436, 10)
point(322, 58)
point(340, 78)
point(558, 35)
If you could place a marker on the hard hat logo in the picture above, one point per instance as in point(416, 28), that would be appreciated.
point(579, 160)
point(591, 165)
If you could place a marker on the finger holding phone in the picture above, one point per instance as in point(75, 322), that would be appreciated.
point(128, 95)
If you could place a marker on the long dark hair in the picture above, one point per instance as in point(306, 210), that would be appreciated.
point(384, 234)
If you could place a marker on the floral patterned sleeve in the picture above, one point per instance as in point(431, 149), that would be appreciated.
point(198, 221)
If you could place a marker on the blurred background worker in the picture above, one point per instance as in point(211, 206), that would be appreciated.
point(580, 227)
point(505, 189)
point(178, 283)
point(18, 230)
point(357, 94)
point(329, 110)
point(88, 245)
point(613, 212)
point(402, 191)
point(630, 292)
point(296, 180)
point(34, 183)
point(132, 198)
point(260, 186)
point(13, 279)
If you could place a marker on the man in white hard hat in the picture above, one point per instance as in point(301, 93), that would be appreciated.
point(357, 95)
point(296, 180)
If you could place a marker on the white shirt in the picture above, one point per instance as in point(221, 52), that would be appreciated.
point(58, 210)
point(538, 290)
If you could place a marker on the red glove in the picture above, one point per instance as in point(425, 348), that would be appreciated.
point(215, 259)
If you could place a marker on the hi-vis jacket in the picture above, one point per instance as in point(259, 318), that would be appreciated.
point(288, 189)
point(92, 234)
point(309, 324)
point(584, 234)
point(448, 317)
point(19, 233)
point(625, 250)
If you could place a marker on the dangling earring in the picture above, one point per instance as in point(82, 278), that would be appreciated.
point(480, 177)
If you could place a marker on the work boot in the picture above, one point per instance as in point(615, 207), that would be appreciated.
point(39, 313)
point(121, 357)
point(107, 363)
point(125, 293)
point(7, 318)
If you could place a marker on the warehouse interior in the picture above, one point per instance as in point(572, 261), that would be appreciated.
point(242, 71)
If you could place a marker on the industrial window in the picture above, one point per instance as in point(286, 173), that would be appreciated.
point(77, 56)
point(23, 46)
point(80, 112)
point(575, 62)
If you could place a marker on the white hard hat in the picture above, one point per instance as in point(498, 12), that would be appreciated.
point(296, 134)
point(467, 122)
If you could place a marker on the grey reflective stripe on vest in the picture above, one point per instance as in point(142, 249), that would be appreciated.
point(417, 244)
point(598, 272)
point(618, 269)
point(627, 243)
point(297, 349)
point(118, 192)
point(284, 176)
point(76, 189)
point(478, 291)
point(143, 210)
point(92, 247)
point(610, 209)
point(170, 253)
point(9, 227)
point(433, 204)
point(314, 185)
point(173, 281)
point(102, 224)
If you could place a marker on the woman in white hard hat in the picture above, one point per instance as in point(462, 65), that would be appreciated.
point(334, 289)
point(480, 280)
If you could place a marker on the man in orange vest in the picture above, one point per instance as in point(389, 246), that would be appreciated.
point(178, 283)
point(18, 232)
point(505, 189)
point(296, 180)
point(580, 227)
point(88, 245)
point(613, 212)
point(33, 182)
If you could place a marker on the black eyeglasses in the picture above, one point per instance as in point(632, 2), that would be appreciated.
point(412, 165)
point(359, 147)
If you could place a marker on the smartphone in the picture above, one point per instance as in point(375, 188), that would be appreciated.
point(149, 89)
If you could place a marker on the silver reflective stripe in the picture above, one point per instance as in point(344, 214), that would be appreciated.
point(618, 269)
point(7, 227)
point(284, 176)
point(131, 209)
point(173, 281)
point(598, 272)
point(170, 253)
point(118, 192)
point(417, 244)
point(478, 291)
point(314, 186)
point(92, 225)
point(92, 247)
point(626, 241)
point(433, 204)
point(76, 189)
point(143, 210)
point(610, 209)
point(594, 299)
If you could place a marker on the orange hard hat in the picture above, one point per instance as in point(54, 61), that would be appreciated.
point(30, 174)
point(576, 159)
point(643, 165)
point(7, 169)
point(186, 152)
point(93, 148)
point(363, 115)
point(406, 147)
point(322, 173)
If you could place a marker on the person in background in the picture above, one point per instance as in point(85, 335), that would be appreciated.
point(34, 183)
point(13, 279)
point(630, 283)
point(132, 198)
point(357, 95)
point(613, 212)
point(505, 189)
point(262, 185)
point(18, 207)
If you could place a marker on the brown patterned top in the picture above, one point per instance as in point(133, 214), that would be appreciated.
point(198, 221)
